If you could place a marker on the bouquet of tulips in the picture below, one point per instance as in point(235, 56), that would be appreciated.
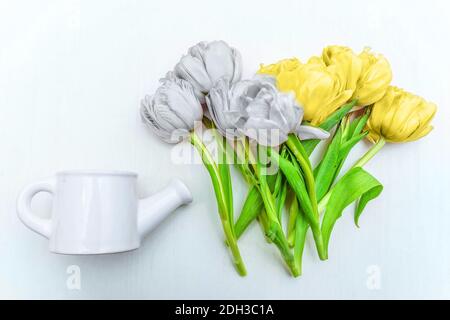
point(269, 125)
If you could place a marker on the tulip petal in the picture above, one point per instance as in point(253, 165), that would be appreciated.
point(219, 61)
point(265, 132)
point(305, 132)
point(192, 69)
point(226, 109)
point(170, 76)
point(237, 59)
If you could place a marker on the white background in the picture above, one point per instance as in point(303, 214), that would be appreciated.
point(71, 77)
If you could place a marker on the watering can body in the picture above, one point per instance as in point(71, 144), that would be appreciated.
point(97, 212)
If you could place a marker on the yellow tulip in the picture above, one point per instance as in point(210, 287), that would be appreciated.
point(375, 78)
point(400, 116)
point(319, 88)
point(347, 61)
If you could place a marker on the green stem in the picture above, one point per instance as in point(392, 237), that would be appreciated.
point(301, 227)
point(214, 173)
point(370, 153)
point(306, 168)
point(249, 155)
point(264, 223)
point(219, 190)
point(360, 163)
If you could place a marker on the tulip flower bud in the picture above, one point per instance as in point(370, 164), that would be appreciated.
point(172, 111)
point(207, 62)
point(400, 116)
point(376, 76)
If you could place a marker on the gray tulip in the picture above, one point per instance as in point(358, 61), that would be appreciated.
point(226, 106)
point(273, 115)
point(207, 62)
point(172, 111)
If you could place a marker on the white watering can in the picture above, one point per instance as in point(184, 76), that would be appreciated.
point(97, 212)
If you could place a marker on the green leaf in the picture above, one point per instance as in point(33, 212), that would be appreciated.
point(365, 198)
point(329, 124)
point(278, 182)
point(325, 172)
point(360, 124)
point(297, 184)
point(252, 208)
point(337, 116)
point(345, 138)
point(348, 145)
point(301, 227)
point(281, 199)
point(344, 152)
point(355, 184)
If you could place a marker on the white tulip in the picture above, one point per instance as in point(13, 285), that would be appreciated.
point(207, 62)
point(173, 111)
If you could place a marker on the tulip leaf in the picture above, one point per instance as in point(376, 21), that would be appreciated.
point(280, 188)
point(252, 208)
point(348, 145)
point(346, 137)
point(326, 170)
point(297, 183)
point(301, 227)
point(338, 115)
point(360, 124)
point(328, 124)
point(356, 184)
point(281, 199)
point(278, 183)
point(365, 198)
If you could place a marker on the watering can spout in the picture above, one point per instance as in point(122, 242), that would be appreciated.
point(154, 209)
